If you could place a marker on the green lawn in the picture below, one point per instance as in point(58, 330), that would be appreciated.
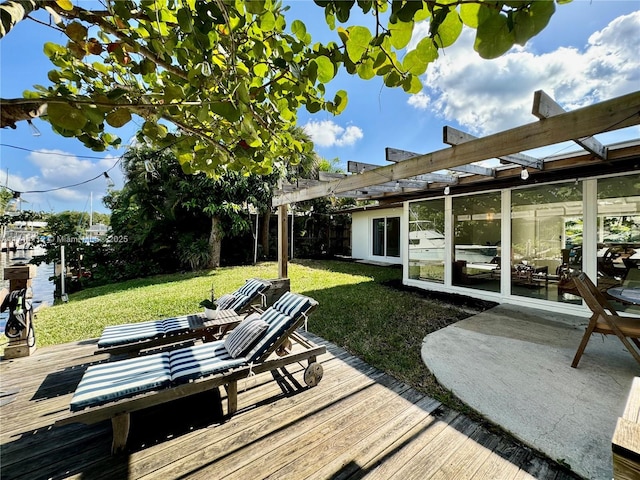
point(358, 311)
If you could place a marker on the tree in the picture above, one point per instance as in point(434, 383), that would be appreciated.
point(220, 83)
point(168, 216)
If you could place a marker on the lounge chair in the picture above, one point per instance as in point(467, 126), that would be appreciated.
point(605, 319)
point(130, 338)
point(113, 390)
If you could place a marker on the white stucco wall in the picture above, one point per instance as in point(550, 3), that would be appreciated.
point(362, 230)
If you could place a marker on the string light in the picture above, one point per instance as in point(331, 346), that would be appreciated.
point(524, 174)
point(447, 190)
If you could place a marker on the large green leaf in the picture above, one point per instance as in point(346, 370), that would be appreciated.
point(326, 69)
point(414, 63)
point(400, 33)
point(493, 37)
point(66, 117)
point(469, 14)
point(412, 84)
point(358, 42)
point(119, 117)
point(226, 110)
point(51, 49)
point(449, 30)
point(365, 69)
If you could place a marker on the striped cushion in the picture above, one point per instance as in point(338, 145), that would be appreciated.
point(245, 294)
point(244, 336)
point(201, 360)
point(292, 304)
point(111, 381)
point(171, 326)
point(119, 334)
point(225, 301)
point(131, 332)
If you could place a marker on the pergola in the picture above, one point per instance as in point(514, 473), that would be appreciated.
point(413, 175)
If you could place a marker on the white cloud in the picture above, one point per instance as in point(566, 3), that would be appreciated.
point(55, 169)
point(420, 101)
point(486, 96)
point(325, 133)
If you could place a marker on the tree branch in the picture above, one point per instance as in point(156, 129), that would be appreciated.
point(90, 17)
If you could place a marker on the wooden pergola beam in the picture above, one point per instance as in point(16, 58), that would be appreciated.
point(360, 167)
point(396, 155)
point(606, 116)
point(453, 136)
point(546, 107)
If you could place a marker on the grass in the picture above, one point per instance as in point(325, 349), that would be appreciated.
point(358, 311)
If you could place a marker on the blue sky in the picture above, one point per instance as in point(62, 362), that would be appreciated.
point(587, 54)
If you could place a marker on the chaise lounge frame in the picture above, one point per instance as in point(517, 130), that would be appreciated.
point(197, 329)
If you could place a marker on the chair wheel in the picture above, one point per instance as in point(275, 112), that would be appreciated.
point(313, 374)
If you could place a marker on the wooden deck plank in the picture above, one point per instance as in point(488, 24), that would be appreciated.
point(237, 431)
point(224, 460)
point(357, 423)
point(332, 438)
point(375, 446)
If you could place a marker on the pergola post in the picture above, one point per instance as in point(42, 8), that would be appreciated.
point(283, 254)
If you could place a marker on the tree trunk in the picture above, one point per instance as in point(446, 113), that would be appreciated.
point(215, 243)
point(13, 12)
point(264, 232)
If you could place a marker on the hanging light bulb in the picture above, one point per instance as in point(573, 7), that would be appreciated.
point(524, 174)
point(110, 183)
point(447, 190)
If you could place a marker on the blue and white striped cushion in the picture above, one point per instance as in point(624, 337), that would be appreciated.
point(172, 326)
point(130, 332)
point(201, 360)
point(278, 324)
point(245, 335)
point(252, 287)
point(112, 381)
point(225, 301)
point(292, 304)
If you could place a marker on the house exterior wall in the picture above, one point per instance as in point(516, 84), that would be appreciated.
point(362, 233)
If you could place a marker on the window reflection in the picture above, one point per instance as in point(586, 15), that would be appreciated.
point(546, 241)
point(618, 235)
point(477, 227)
point(426, 240)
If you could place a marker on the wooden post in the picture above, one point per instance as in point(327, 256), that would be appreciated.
point(20, 277)
point(120, 425)
point(283, 254)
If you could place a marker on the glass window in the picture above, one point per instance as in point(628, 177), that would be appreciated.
point(393, 237)
point(386, 237)
point(546, 241)
point(378, 236)
point(426, 240)
point(477, 230)
point(618, 235)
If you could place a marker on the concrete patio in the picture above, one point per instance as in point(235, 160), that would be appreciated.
point(512, 365)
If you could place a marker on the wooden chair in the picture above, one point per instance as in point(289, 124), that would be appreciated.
point(132, 338)
point(114, 390)
point(605, 320)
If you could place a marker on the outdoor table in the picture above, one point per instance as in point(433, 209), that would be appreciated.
point(625, 294)
point(217, 327)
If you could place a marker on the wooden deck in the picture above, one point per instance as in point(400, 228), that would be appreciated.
point(357, 423)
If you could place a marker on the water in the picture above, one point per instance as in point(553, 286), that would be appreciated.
point(42, 287)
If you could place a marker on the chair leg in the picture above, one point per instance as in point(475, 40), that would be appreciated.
point(120, 425)
point(232, 397)
point(583, 344)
